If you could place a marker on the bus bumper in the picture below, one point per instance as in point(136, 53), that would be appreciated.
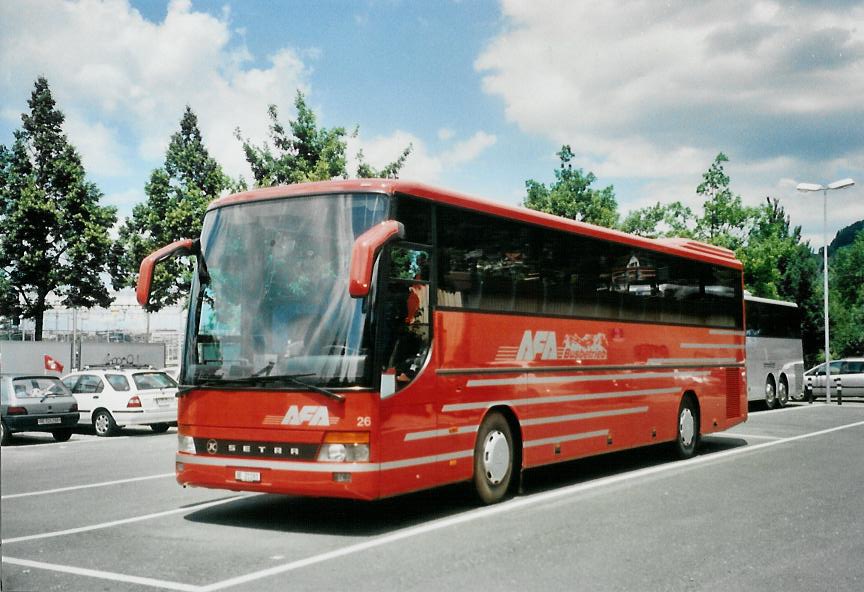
point(315, 479)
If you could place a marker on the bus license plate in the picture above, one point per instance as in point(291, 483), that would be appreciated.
point(247, 476)
point(47, 420)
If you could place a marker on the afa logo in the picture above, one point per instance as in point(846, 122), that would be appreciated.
point(544, 344)
point(313, 415)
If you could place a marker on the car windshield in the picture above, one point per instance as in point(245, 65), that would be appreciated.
point(38, 386)
point(274, 299)
point(152, 380)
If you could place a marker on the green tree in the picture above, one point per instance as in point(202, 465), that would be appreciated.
point(178, 194)
point(846, 277)
point(55, 238)
point(660, 220)
point(725, 221)
point(778, 265)
point(304, 152)
point(572, 196)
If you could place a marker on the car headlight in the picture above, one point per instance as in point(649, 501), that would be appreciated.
point(186, 444)
point(345, 447)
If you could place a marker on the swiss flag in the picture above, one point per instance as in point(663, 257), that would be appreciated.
point(52, 364)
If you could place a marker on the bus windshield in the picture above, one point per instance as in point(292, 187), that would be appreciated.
point(270, 296)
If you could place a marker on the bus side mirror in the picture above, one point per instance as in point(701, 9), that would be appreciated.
point(363, 254)
point(145, 273)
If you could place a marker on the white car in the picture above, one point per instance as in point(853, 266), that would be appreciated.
point(112, 398)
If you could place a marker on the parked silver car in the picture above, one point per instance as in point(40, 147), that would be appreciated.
point(848, 373)
point(33, 403)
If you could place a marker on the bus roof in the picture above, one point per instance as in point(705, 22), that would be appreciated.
point(750, 297)
point(681, 247)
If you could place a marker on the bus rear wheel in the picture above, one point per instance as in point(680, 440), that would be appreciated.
point(688, 429)
point(493, 459)
point(770, 393)
point(782, 392)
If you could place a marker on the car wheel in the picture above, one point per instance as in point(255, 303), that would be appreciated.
point(493, 459)
point(62, 435)
point(688, 429)
point(770, 394)
point(782, 392)
point(5, 434)
point(104, 424)
point(159, 428)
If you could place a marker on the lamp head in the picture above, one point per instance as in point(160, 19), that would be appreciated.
point(841, 184)
point(809, 187)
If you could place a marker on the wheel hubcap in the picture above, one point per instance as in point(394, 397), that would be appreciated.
point(101, 424)
point(769, 392)
point(783, 392)
point(496, 457)
point(687, 427)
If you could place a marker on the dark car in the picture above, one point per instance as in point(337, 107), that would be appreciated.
point(33, 403)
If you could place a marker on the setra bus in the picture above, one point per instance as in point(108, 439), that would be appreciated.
point(369, 338)
point(774, 354)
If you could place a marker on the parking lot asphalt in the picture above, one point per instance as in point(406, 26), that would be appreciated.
point(771, 504)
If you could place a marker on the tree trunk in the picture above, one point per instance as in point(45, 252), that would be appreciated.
point(39, 317)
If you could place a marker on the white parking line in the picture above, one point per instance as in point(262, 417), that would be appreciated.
point(398, 535)
point(56, 533)
point(753, 436)
point(506, 507)
point(74, 487)
point(104, 575)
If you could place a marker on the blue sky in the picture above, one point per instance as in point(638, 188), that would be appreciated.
point(646, 93)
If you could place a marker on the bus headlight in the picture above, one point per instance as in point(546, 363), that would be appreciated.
point(185, 444)
point(345, 447)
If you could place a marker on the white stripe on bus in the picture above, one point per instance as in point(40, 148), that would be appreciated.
point(557, 399)
point(567, 438)
point(711, 361)
point(712, 346)
point(442, 432)
point(727, 332)
point(526, 422)
point(578, 416)
point(645, 375)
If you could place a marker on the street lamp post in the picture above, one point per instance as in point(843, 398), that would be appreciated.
point(841, 184)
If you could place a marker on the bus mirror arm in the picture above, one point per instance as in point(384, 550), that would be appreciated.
point(145, 273)
point(363, 254)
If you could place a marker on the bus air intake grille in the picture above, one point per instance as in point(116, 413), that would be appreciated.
point(733, 392)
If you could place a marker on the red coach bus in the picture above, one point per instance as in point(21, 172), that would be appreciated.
point(369, 338)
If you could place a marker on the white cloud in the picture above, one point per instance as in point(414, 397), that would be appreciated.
point(654, 91)
point(116, 73)
point(423, 164)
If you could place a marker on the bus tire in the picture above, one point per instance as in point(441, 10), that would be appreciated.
point(687, 432)
point(493, 459)
point(770, 393)
point(782, 392)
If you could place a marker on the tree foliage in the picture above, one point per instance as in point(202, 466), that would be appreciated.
point(660, 220)
point(571, 195)
point(55, 239)
point(725, 220)
point(303, 151)
point(177, 197)
point(846, 277)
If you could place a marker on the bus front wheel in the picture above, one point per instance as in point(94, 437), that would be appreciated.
point(493, 459)
point(688, 429)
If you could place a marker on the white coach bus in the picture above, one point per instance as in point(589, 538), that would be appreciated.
point(774, 356)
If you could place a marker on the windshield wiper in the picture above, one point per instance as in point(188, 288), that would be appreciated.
point(264, 380)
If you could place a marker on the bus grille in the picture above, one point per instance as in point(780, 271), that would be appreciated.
point(733, 392)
